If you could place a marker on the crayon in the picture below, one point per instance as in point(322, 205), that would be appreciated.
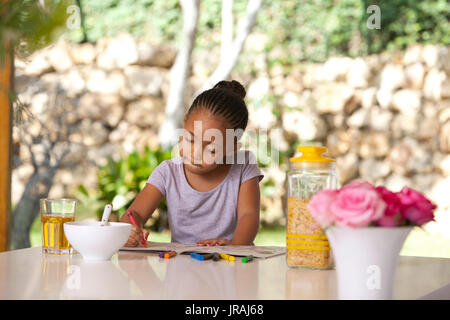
point(202, 257)
point(247, 259)
point(197, 256)
point(169, 254)
point(161, 254)
point(208, 256)
point(227, 257)
point(216, 256)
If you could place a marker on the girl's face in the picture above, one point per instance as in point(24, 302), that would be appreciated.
point(203, 145)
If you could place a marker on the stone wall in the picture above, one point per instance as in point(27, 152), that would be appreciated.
point(385, 118)
point(113, 93)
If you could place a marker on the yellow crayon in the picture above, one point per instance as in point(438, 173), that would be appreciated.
point(227, 257)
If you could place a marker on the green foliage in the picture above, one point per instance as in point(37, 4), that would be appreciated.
point(120, 181)
point(314, 30)
point(143, 18)
point(28, 26)
point(409, 21)
point(307, 30)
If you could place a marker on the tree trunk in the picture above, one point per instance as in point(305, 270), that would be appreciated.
point(38, 186)
point(227, 29)
point(227, 64)
point(174, 111)
point(83, 25)
point(6, 86)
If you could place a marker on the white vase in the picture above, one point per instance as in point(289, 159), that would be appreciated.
point(366, 259)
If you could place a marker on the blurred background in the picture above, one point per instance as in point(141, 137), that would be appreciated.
point(370, 80)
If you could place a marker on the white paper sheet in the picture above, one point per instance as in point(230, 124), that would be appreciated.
point(242, 251)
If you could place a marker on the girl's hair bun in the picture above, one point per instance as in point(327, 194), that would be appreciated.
point(226, 99)
point(233, 86)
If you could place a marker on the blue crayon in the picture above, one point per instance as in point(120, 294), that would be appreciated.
point(197, 256)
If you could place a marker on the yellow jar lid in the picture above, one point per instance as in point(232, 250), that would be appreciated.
point(311, 154)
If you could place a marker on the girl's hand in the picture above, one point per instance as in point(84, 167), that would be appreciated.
point(214, 242)
point(136, 236)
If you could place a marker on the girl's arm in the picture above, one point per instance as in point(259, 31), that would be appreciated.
point(247, 215)
point(247, 212)
point(142, 208)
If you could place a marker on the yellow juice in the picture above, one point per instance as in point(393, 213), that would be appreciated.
point(53, 237)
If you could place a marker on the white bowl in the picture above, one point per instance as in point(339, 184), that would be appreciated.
point(96, 242)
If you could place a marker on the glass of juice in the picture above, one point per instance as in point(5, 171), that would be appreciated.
point(54, 213)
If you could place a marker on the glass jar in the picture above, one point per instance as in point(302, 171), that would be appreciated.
point(306, 243)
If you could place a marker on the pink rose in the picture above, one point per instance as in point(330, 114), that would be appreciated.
point(415, 207)
point(358, 184)
point(319, 206)
point(392, 216)
point(357, 205)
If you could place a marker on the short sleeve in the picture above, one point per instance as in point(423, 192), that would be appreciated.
point(158, 177)
point(250, 168)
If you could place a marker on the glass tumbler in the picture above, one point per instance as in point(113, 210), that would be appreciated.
point(54, 213)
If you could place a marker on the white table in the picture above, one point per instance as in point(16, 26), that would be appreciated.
point(29, 274)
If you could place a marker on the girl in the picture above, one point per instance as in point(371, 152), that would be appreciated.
point(212, 189)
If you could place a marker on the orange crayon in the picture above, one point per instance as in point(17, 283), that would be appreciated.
point(169, 254)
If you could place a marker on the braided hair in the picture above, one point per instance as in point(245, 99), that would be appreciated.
point(226, 99)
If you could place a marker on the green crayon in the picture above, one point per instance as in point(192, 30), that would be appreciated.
point(247, 259)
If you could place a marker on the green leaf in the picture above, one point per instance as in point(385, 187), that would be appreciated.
point(120, 181)
point(82, 189)
point(29, 26)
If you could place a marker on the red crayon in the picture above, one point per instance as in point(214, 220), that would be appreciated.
point(133, 222)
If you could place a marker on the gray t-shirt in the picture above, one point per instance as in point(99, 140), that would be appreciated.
point(195, 215)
